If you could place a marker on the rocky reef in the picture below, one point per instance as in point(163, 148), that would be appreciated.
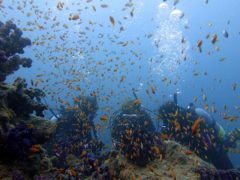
point(22, 127)
point(209, 174)
point(178, 163)
point(12, 44)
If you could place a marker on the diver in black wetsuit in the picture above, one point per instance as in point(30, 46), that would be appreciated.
point(208, 140)
point(76, 134)
point(134, 134)
point(79, 119)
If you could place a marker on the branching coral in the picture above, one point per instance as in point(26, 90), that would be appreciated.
point(11, 44)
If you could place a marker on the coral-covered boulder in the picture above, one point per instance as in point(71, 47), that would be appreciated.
point(178, 163)
point(11, 44)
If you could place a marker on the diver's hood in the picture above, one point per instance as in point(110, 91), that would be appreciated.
point(86, 101)
point(168, 107)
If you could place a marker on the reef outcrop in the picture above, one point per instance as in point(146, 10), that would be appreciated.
point(208, 174)
point(11, 44)
point(23, 129)
point(178, 163)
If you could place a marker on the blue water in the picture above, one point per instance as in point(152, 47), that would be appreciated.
point(93, 54)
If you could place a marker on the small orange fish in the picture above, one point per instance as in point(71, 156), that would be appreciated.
point(77, 100)
point(156, 150)
point(35, 148)
point(214, 39)
point(122, 78)
point(94, 8)
point(60, 5)
point(73, 173)
point(230, 118)
point(112, 20)
point(188, 152)
point(104, 5)
point(60, 170)
point(104, 117)
point(173, 174)
point(83, 154)
point(153, 89)
point(177, 125)
point(137, 102)
point(195, 125)
point(74, 17)
point(30, 126)
point(176, 113)
point(199, 45)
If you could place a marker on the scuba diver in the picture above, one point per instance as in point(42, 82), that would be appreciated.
point(134, 134)
point(195, 128)
point(79, 119)
point(76, 136)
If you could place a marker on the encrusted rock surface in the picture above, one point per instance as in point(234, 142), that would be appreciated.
point(178, 163)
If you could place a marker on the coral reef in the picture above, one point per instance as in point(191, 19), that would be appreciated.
point(178, 163)
point(11, 44)
point(141, 147)
point(207, 174)
point(22, 132)
point(23, 129)
point(18, 102)
point(75, 134)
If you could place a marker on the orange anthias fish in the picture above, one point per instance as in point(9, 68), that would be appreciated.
point(137, 102)
point(231, 118)
point(112, 20)
point(73, 173)
point(177, 125)
point(104, 117)
point(35, 148)
point(188, 152)
point(195, 125)
point(214, 39)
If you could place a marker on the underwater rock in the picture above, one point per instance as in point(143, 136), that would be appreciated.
point(23, 129)
point(17, 143)
point(11, 44)
point(178, 163)
point(141, 147)
point(17, 175)
point(17, 101)
point(19, 128)
point(43, 129)
point(207, 174)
